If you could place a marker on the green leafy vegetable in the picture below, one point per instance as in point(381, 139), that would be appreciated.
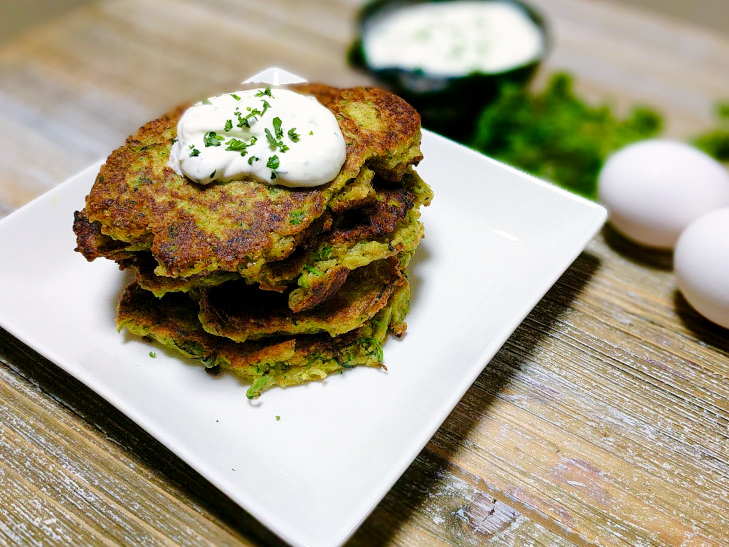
point(715, 141)
point(556, 135)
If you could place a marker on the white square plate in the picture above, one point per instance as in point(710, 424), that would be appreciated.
point(496, 241)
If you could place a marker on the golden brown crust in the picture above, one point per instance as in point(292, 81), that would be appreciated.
point(380, 128)
point(240, 312)
point(238, 226)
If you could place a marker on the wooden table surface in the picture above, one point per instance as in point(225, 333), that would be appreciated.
point(603, 420)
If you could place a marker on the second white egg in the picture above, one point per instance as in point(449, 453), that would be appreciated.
point(701, 262)
point(655, 188)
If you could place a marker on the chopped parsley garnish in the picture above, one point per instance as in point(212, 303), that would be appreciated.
point(277, 127)
point(293, 135)
point(252, 159)
point(266, 92)
point(242, 121)
point(153, 355)
point(228, 125)
point(273, 163)
point(237, 145)
point(236, 97)
point(211, 138)
point(275, 139)
point(212, 175)
point(194, 151)
point(271, 139)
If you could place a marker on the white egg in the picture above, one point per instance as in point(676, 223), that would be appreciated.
point(653, 189)
point(701, 264)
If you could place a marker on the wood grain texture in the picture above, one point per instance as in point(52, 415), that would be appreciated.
point(603, 420)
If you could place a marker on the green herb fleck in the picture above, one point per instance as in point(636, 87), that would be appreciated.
point(236, 97)
point(313, 270)
point(273, 163)
point(271, 139)
point(378, 347)
point(194, 151)
point(211, 138)
point(323, 252)
point(236, 145)
point(264, 92)
point(296, 217)
point(277, 127)
point(275, 139)
point(242, 121)
point(278, 418)
point(293, 135)
point(153, 355)
point(228, 125)
point(252, 159)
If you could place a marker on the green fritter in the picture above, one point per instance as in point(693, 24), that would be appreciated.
point(238, 226)
point(386, 224)
point(242, 312)
point(280, 361)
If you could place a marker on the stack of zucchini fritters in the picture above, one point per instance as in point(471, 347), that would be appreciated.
point(280, 285)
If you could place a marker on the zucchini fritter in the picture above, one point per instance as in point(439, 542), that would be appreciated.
point(283, 361)
point(240, 225)
point(242, 312)
point(279, 285)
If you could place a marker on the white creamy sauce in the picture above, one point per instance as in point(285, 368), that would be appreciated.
point(277, 136)
point(454, 38)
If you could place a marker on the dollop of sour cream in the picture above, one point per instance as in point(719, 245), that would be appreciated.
point(454, 38)
point(274, 135)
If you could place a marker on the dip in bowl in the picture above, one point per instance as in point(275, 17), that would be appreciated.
point(449, 58)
